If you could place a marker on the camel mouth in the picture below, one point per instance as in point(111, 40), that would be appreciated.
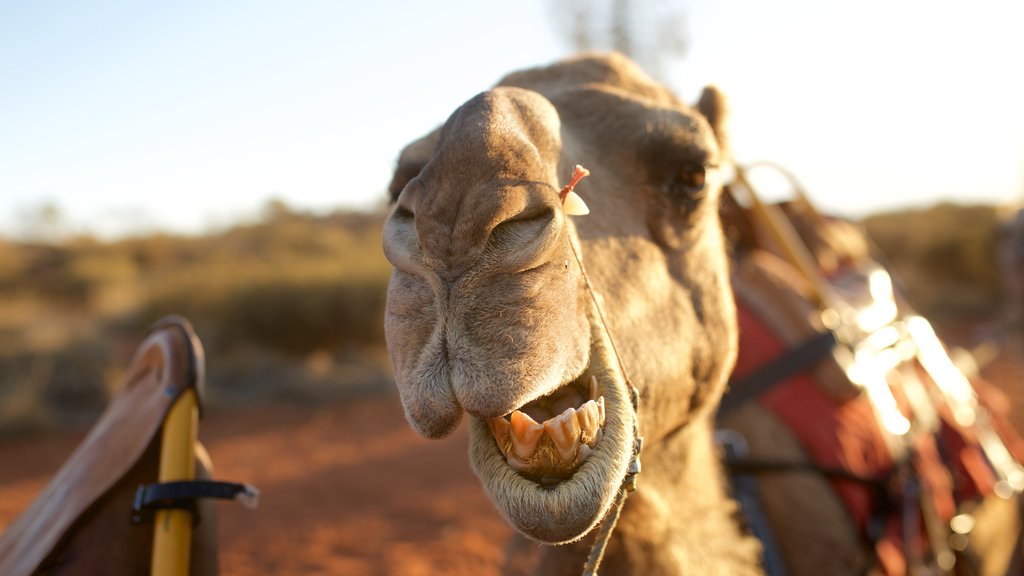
point(554, 466)
point(548, 439)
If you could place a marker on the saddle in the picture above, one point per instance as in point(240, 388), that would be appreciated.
point(787, 384)
point(169, 362)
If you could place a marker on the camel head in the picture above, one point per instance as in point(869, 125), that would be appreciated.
point(489, 311)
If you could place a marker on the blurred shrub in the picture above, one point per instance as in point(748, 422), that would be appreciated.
point(300, 317)
point(289, 314)
point(944, 257)
point(282, 290)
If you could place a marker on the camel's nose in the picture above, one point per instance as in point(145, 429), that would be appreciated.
point(517, 231)
point(488, 191)
point(503, 227)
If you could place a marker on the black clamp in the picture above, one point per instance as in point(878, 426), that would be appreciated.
point(182, 495)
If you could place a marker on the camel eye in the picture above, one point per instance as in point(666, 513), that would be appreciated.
point(687, 186)
point(689, 179)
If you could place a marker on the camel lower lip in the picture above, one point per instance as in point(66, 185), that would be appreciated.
point(563, 507)
point(550, 451)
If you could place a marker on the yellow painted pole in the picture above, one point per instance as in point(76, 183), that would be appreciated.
point(172, 537)
point(798, 189)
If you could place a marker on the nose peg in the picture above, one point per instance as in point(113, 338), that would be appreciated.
point(571, 201)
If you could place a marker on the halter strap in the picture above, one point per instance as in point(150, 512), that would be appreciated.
point(629, 482)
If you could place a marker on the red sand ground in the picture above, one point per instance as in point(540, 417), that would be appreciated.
point(346, 489)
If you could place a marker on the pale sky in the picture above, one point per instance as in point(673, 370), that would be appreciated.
point(184, 115)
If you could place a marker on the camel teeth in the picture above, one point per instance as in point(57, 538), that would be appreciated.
point(526, 432)
point(574, 205)
point(500, 429)
point(589, 418)
point(517, 464)
point(564, 431)
point(582, 455)
point(593, 387)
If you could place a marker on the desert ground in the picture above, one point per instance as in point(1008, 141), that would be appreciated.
point(347, 487)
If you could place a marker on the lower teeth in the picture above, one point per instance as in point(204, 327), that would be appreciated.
point(553, 450)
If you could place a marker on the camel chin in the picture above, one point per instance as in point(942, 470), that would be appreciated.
point(558, 498)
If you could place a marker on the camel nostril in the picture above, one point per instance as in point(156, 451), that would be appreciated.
point(527, 241)
point(524, 227)
point(410, 219)
point(403, 213)
point(401, 243)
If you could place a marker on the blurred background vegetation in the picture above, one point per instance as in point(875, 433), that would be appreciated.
point(945, 258)
point(290, 308)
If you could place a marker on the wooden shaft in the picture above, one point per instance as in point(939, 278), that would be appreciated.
point(172, 537)
point(798, 190)
point(781, 232)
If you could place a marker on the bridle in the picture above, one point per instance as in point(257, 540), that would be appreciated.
point(629, 482)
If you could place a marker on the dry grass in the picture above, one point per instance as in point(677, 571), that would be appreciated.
point(944, 258)
point(288, 309)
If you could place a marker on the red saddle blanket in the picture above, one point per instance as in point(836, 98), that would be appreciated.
point(839, 431)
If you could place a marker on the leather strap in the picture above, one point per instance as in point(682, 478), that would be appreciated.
point(183, 495)
point(793, 362)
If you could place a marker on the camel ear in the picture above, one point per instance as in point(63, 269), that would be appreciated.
point(411, 162)
point(715, 108)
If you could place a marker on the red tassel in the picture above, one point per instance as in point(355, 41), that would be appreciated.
point(578, 173)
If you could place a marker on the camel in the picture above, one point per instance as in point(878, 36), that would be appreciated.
point(82, 522)
point(536, 321)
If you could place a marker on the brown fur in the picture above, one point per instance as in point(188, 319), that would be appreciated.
point(487, 308)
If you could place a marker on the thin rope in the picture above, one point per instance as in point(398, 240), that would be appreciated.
point(579, 173)
point(629, 481)
point(600, 314)
point(603, 537)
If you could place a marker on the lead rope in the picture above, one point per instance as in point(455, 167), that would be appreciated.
point(629, 483)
